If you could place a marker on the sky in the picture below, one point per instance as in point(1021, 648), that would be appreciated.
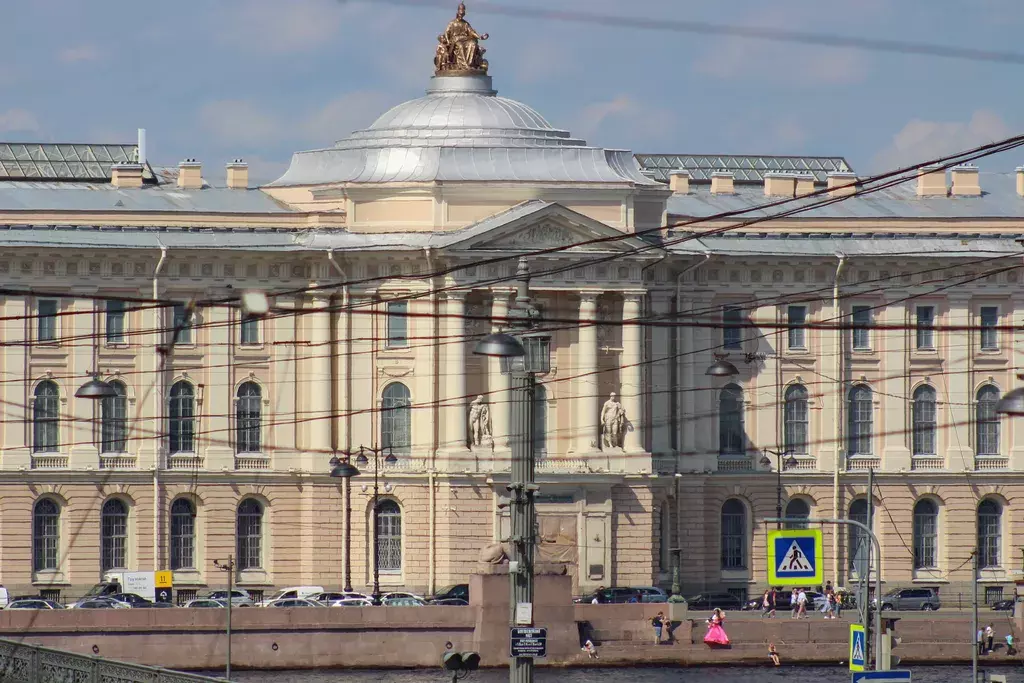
point(217, 80)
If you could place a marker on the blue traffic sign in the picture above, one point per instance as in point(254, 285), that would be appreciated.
point(880, 676)
point(858, 641)
point(794, 557)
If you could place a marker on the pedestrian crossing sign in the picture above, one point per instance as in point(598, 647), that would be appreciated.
point(858, 660)
point(794, 557)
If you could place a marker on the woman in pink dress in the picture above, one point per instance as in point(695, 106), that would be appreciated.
point(716, 636)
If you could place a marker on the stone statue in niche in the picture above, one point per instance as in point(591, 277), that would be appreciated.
point(458, 48)
point(480, 424)
point(613, 423)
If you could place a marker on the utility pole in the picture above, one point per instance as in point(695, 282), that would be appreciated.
point(974, 615)
point(867, 572)
point(228, 567)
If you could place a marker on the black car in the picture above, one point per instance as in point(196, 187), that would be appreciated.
point(131, 599)
point(713, 600)
point(459, 591)
point(781, 601)
point(1003, 605)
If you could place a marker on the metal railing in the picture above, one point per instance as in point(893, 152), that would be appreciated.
point(24, 663)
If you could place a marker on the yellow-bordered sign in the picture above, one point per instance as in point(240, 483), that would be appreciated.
point(858, 647)
point(794, 557)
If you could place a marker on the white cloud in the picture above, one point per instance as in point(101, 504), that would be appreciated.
point(79, 53)
point(240, 121)
point(19, 120)
point(623, 118)
point(921, 140)
point(344, 114)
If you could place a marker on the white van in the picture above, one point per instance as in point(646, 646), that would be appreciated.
point(4, 598)
point(293, 592)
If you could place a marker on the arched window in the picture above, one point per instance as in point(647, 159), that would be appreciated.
point(114, 420)
point(182, 418)
point(990, 533)
point(926, 522)
point(924, 421)
point(797, 509)
point(861, 406)
point(859, 541)
point(796, 420)
point(45, 416)
point(114, 535)
point(250, 535)
point(730, 421)
point(396, 418)
point(389, 536)
point(248, 420)
point(734, 535)
point(45, 535)
point(183, 534)
point(987, 422)
point(540, 421)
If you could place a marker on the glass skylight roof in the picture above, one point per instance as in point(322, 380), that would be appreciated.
point(46, 161)
point(746, 168)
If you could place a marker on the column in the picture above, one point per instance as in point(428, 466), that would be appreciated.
point(79, 436)
point(1013, 433)
point(454, 371)
point(958, 347)
point(498, 383)
point(16, 394)
point(893, 430)
point(686, 383)
point(362, 401)
point(663, 363)
point(631, 373)
point(318, 383)
point(586, 375)
point(219, 397)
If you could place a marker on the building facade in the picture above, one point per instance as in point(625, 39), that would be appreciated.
point(873, 332)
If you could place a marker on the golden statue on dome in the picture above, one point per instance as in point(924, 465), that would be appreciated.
point(458, 48)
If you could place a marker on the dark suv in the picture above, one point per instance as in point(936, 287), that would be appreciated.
point(904, 599)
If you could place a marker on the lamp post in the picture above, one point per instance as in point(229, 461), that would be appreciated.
point(523, 354)
point(343, 469)
point(790, 461)
point(363, 461)
point(228, 567)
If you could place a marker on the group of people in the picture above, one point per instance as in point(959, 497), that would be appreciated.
point(986, 641)
point(798, 600)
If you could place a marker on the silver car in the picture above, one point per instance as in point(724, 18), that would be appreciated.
point(239, 597)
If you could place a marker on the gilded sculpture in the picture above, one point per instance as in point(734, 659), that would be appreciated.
point(458, 48)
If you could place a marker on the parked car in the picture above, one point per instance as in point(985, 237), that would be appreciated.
point(160, 605)
point(459, 591)
point(707, 601)
point(327, 597)
point(131, 599)
point(206, 603)
point(618, 595)
point(903, 599)
point(998, 606)
point(401, 594)
point(295, 602)
point(402, 601)
point(293, 592)
point(451, 602)
point(351, 602)
point(100, 603)
point(239, 597)
point(34, 603)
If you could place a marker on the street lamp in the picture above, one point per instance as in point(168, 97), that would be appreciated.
point(363, 461)
point(523, 354)
point(343, 469)
point(780, 465)
point(95, 390)
point(721, 367)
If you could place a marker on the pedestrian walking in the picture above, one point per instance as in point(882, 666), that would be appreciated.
point(658, 622)
point(981, 641)
point(826, 607)
point(774, 595)
point(990, 635)
point(793, 607)
point(1010, 649)
point(837, 604)
point(767, 607)
point(801, 604)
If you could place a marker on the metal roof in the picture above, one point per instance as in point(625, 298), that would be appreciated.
point(746, 168)
point(55, 161)
point(88, 196)
point(875, 245)
point(999, 199)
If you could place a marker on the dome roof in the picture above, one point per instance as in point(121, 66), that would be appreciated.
point(461, 111)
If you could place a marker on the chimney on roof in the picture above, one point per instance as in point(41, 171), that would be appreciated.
point(965, 181)
point(126, 175)
point(1020, 181)
point(804, 184)
point(841, 183)
point(238, 175)
point(190, 175)
point(679, 181)
point(722, 182)
point(778, 184)
point(141, 149)
point(931, 182)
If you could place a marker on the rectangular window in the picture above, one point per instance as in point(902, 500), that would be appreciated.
point(115, 322)
point(797, 318)
point(181, 327)
point(249, 331)
point(46, 330)
point(732, 331)
point(861, 327)
point(925, 327)
point(989, 328)
point(993, 594)
point(398, 323)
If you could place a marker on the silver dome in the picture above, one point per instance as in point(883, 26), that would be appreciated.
point(462, 131)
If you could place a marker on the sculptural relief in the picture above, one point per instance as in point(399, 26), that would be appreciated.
point(480, 424)
point(613, 423)
point(458, 48)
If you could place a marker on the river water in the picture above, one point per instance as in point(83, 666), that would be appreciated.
point(654, 674)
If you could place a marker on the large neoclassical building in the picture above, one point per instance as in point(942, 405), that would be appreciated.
point(875, 332)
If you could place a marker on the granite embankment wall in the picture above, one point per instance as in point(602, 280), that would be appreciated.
point(416, 636)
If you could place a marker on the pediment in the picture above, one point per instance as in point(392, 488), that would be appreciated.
point(546, 226)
